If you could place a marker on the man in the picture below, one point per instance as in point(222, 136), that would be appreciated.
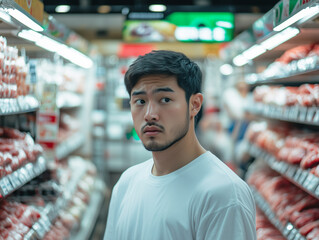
point(183, 192)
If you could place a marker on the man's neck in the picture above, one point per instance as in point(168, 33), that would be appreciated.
point(176, 156)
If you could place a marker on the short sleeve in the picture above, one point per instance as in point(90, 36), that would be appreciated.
point(232, 222)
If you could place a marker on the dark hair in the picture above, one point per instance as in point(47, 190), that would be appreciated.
point(188, 74)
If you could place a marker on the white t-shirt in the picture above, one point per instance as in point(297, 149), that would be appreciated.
point(202, 200)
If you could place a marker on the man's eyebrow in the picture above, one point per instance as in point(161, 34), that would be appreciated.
point(135, 93)
point(157, 90)
point(164, 89)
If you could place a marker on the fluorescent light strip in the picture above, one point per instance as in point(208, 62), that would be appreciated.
point(30, 35)
point(25, 20)
point(240, 60)
point(304, 13)
point(253, 51)
point(6, 17)
point(51, 45)
point(280, 38)
point(76, 57)
point(48, 44)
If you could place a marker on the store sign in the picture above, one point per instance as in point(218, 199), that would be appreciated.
point(287, 8)
point(34, 7)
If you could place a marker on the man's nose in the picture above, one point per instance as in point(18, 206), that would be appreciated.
point(151, 113)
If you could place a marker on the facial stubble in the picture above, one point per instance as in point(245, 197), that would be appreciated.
point(154, 146)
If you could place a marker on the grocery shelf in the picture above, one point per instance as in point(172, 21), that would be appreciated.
point(52, 210)
point(297, 114)
point(288, 230)
point(22, 104)
point(68, 100)
point(91, 214)
point(21, 176)
point(69, 145)
point(298, 176)
point(303, 70)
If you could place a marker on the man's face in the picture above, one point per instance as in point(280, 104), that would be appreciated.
point(160, 111)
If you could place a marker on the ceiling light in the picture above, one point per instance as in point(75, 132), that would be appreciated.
point(240, 60)
point(224, 24)
point(30, 35)
point(304, 13)
point(280, 38)
point(62, 8)
point(48, 44)
point(226, 69)
point(254, 51)
point(125, 11)
point(76, 57)
point(104, 9)
point(157, 8)
point(22, 18)
point(6, 17)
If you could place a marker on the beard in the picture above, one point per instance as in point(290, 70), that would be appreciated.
point(180, 133)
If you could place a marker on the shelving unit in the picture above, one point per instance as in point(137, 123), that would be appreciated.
point(303, 70)
point(298, 176)
point(265, 69)
point(91, 213)
point(68, 146)
point(21, 176)
point(68, 100)
point(16, 34)
point(22, 104)
point(288, 230)
point(297, 114)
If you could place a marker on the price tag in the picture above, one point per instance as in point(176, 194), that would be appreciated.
point(297, 174)
point(6, 186)
point(22, 176)
point(39, 229)
point(14, 179)
point(316, 117)
point(291, 171)
point(310, 114)
point(292, 234)
point(298, 236)
point(317, 191)
point(287, 229)
point(45, 223)
point(303, 177)
point(308, 180)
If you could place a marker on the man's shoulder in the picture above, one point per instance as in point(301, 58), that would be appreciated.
point(219, 184)
point(135, 170)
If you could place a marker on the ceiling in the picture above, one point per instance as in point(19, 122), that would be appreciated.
point(84, 18)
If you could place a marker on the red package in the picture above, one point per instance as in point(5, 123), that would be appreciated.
point(310, 160)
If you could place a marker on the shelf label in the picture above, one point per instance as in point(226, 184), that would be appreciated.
point(287, 8)
point(6, 186)
point(33, 7)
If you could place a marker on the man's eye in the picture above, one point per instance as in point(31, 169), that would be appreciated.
point(139, 101)
point(165, 100)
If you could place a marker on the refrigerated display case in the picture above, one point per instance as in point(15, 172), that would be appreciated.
point(42, 197)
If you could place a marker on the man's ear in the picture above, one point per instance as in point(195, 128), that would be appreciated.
point(195, 104)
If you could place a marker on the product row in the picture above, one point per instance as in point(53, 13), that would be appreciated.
point(297, 60)
point(52, 205)
point(294, 146)
point(288, 203)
